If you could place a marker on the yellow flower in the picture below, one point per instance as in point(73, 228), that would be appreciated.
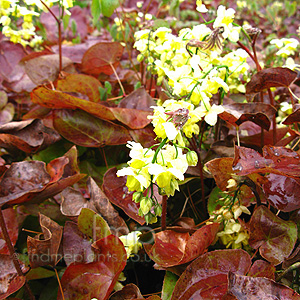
point(131, 242)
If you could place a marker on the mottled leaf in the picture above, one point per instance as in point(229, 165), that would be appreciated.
point(92, 224)
point(206, 277)
point(253, 288)
point(261, 268)
point(274, 237)
point(76, 246)
point(80, 83)
point(85, 130)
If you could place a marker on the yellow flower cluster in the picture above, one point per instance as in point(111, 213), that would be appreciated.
point(164, 167)
point(25, 33)
point(286, 46)
point(177, 120)
point(192, 61)
point(233, 234)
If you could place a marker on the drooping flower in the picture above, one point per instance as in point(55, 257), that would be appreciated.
point(131, 242)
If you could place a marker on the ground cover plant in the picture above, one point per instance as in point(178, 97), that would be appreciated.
point(149, 149)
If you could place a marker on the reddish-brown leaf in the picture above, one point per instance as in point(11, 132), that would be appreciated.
point(272, 77)
point(7, 275)
point(253, 288)
point(45, 68)
point(261, 268)
point(282, 192)
point(10, 218)
point(221, 169)
point(76, 247)
point(258, 113)
point(28, 180)
point(99, 58)
point(28, 136)
point(106, 210)
point(274, 237)
point(115, 189)
point(279, 160)
point(43, 250)
point(80, 83)
point(129, 291)
point(172, 248)
point(86, 130)
point(206, 277)
point(146, 136)
point(85, 281)
point(60, 100)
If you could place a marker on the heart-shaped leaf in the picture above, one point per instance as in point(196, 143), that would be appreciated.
point(274, 237)
point(172, 248)
point(102, 58)
point(272, 77)
point(206, 277)
point(261, 268)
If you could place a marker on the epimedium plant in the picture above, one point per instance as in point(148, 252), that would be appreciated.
point(212, 126)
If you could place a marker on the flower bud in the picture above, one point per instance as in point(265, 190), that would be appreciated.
point(158, 210)
point(145, 205)
point(140, 57)
point(192, 158)
point(137, 197)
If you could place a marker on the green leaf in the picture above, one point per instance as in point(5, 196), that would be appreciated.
point(95, 10)
point(108, 7)
point(169, 285)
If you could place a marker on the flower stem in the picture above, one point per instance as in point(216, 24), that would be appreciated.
point(164, 213)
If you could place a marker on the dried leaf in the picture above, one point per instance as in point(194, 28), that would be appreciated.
point(129, 291)
point(106, 210)
point(43, 251)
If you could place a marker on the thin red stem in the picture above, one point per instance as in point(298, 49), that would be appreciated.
point(13, 254)
point(164, 213)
